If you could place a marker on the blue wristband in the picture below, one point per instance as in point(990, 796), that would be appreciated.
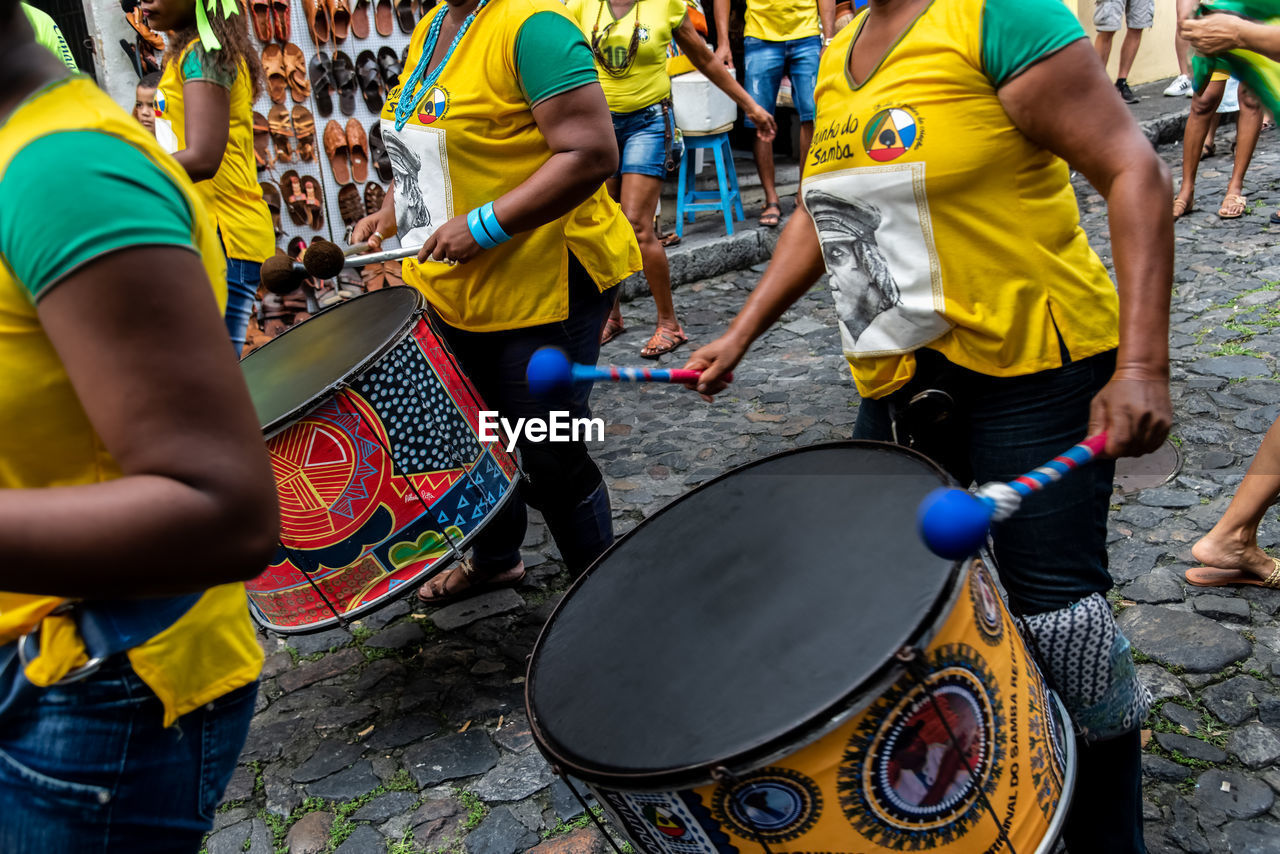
point(490, 222)
point(477, 230)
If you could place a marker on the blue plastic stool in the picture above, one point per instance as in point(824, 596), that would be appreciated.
point(727, 198)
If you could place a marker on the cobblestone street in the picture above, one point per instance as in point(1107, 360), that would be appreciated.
point(408, 733)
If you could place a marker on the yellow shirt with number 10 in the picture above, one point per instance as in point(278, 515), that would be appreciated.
point(645, 82)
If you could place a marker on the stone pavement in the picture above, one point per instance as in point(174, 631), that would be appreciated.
point(408, 733)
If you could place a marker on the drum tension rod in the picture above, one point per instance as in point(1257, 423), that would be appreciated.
point(595, 819)
point(725, 777)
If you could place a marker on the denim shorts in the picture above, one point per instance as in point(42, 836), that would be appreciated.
point(642, 142)
point(89, 766)
point(1053, 552)
point(766, 62)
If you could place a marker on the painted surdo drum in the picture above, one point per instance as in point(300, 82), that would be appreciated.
point(373, 435)
point(774, 662)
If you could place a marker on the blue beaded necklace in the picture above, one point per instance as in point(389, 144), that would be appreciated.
point(409, 95)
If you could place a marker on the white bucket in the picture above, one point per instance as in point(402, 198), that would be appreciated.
point(700, 106)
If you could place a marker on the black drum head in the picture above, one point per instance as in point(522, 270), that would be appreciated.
point(740, 619)
point(290, 374)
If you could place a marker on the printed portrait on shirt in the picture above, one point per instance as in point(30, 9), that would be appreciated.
point(421, 172)
point(877, 245)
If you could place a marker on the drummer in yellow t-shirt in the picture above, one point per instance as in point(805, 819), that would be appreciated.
point(629, 40)
point(782, 37)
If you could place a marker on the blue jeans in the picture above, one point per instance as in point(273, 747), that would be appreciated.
point(242, 287)
point(560, 478)
point(89, 768)
point(1050, 554)
point(642, 141)
point(766, 62)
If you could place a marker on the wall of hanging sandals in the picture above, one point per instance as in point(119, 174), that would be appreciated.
point(328, 66)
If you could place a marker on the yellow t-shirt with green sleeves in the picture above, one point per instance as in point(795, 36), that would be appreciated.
point(103, 184)
point(471, 139)
point(646, 81)
point(233, 194)
point(782, 20)
point(942, 225)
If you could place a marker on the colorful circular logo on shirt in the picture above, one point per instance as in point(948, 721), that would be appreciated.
point(433, 105)
point(772, 805)
point(890, 134)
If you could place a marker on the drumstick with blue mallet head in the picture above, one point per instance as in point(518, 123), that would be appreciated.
point(954, 522)
point(550, 370)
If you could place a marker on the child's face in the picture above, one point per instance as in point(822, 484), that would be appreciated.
point(144, 109)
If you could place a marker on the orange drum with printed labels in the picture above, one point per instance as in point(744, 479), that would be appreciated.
point(774, 662)
point(373, 433)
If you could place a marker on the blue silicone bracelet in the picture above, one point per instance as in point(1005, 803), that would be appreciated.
point(477, 230)
point(490, 221)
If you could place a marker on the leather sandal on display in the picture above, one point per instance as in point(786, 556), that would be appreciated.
point(318, 23)
point(405, 17)
point(378, 153)
point(295, 199)
point(344, 79)
point(320, 70)
point(383, 17)
point(260, 12)
point(360, 19)
point(374, 196)
point(282, 23)
point(335, 148)
point(315, 202)
point(349, 204)
point(304, 127)
point(373, 277)
point(274, 70)
point(341, 19)
point(295, 68)
point(358, 151)
point(282, 132)
point(261, 141)
point(370, 76)
point(271, 196)
point(391, 67)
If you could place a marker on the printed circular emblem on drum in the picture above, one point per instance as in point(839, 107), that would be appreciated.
point(772, 805)
point(913, 770)
point(987, 612)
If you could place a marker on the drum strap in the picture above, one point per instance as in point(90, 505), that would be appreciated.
point(111, 626)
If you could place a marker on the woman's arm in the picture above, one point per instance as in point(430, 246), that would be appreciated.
point(579, 131)
point(1087, 124)
point(723, 54)
point(796, 265)
point(827, 15)
point(207, 124)
point(196, 506)
point(705, 61)
point(1220, 33)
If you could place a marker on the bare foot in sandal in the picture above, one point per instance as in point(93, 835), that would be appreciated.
point(612, 329)
point(1229, 560)
point(663, 341)
point(1233, 206)
point(768, 219)
point(1181, 207)
point(463, 581)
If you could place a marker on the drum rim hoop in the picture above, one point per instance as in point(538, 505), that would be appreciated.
point(819, 722)
point(288, 419)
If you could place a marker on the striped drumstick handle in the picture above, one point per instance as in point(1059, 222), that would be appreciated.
point(1053, 470)
point(613, 373)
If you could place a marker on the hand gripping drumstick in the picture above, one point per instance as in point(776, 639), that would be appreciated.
point(322, 260)
point(954, 523)
point(550, 369)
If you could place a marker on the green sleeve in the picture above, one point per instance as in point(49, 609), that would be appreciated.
point(198, 65)
point(552, 57)
point(1016, 34)
point(69, 198)
point(48, 34)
